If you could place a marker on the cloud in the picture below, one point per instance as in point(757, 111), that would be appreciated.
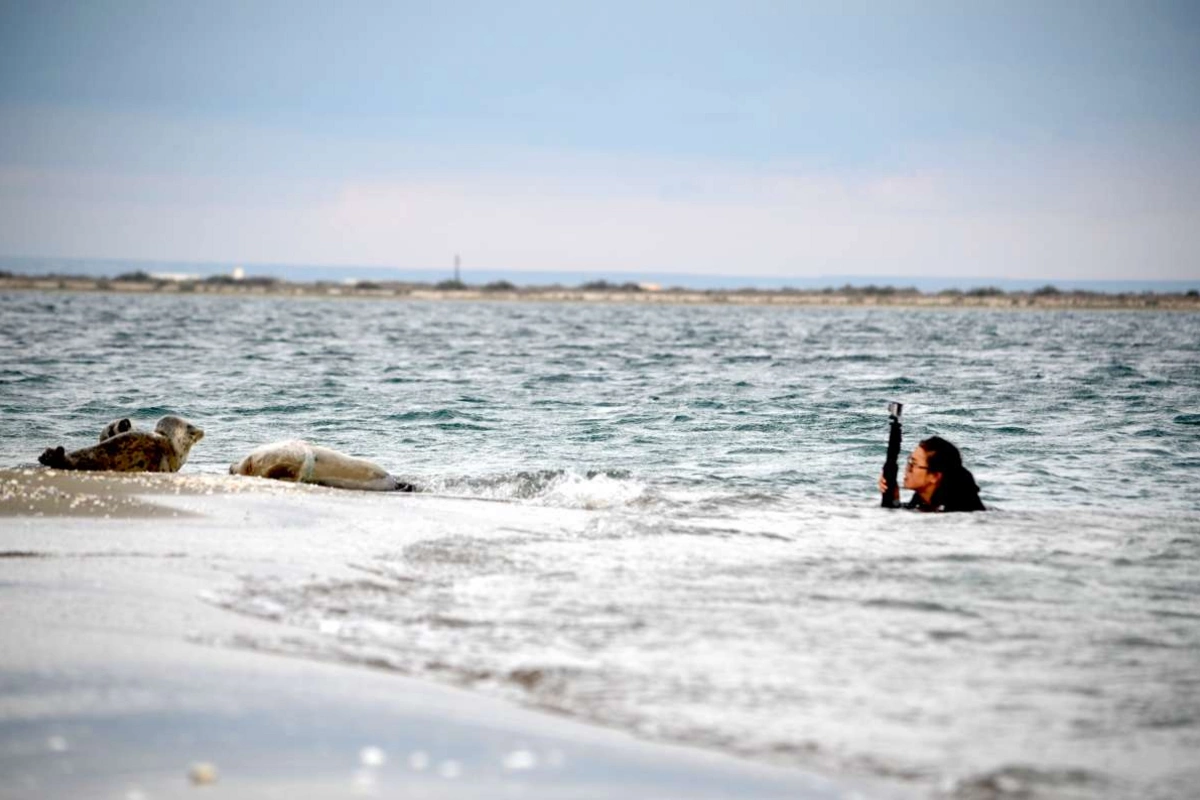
point(1121, 208)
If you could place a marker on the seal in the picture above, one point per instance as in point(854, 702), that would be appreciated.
point(115, 427)
point(301, 462)
point(165, 449)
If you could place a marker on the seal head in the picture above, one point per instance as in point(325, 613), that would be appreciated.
point(292, 460)
point(182, 435)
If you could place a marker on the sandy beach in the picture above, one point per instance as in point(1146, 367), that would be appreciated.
point(121, 678)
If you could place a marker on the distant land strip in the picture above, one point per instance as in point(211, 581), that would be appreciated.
point(601, 291)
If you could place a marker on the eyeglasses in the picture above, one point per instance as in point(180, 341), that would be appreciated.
point(912, 465)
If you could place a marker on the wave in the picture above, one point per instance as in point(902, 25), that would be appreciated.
point(436, 415)
point(917, 605)
point(1021, 781)
point(556, 488)
point(563, 377)
point(14, 376)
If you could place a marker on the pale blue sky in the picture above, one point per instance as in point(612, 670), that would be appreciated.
point(1015, 140)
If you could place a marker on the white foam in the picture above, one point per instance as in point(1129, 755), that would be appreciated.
point(568, 489)
point(598, 491)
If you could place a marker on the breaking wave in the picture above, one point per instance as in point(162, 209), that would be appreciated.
point(557, 488)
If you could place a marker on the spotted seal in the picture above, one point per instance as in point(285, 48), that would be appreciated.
point(298, 461)
point(163, 450)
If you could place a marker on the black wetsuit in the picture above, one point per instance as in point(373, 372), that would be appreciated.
point(966, 503)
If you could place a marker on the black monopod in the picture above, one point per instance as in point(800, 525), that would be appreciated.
point(890, 497)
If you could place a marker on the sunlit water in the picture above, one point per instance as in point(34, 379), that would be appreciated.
point(720, 572)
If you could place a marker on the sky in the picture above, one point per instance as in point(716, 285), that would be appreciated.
point(1016, 140)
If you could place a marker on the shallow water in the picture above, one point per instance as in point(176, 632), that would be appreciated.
point(718, 570)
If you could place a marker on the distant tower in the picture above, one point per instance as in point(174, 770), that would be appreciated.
point(457, 264)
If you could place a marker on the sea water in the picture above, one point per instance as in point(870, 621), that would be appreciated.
point(698, 554)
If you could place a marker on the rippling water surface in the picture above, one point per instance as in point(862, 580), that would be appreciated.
point(717, 570)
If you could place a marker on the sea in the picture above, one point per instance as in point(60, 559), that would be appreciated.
point(693, 548)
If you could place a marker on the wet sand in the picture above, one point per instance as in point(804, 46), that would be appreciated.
point(46, 492)
point(118, 680)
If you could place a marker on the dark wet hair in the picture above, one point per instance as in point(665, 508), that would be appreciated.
point(957, 490)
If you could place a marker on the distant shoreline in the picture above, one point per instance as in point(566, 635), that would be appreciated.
point(1047, 297)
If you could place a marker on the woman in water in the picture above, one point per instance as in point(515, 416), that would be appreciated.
point(938, 479)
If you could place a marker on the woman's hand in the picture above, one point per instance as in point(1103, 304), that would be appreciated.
point(883, 488)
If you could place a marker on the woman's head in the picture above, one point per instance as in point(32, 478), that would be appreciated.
point(929, 464)
point(936, 472)
point(943, 458)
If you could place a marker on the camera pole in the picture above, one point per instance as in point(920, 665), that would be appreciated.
point(891, 497)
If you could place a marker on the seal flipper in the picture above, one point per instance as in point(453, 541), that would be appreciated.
point(54, 457)
point(283, 472)
point(115, 427)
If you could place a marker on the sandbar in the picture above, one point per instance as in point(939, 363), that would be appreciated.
point(118, 680)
